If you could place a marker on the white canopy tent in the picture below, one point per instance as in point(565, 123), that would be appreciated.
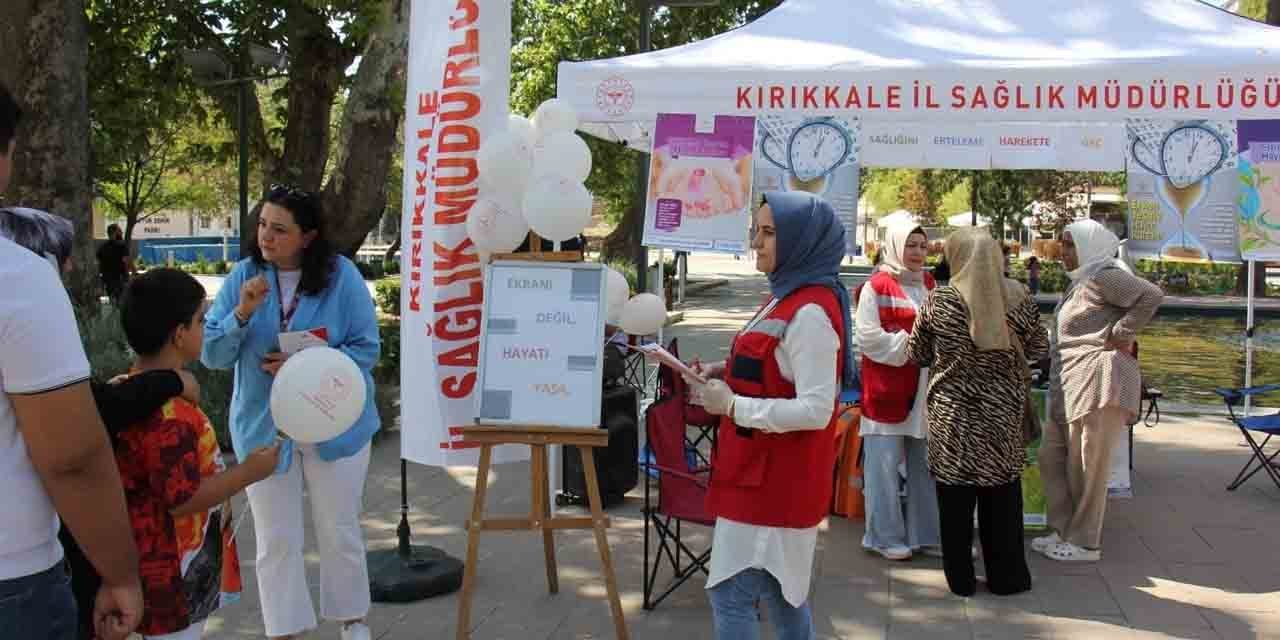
point(966, 220)
point(1003, 84)
point(901, 216)
point(918, 60)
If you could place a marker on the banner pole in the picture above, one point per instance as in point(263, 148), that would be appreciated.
point(1248, 337)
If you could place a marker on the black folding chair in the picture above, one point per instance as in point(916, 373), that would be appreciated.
point(1267, 425)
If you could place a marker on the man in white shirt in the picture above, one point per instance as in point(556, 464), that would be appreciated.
point(54, 454)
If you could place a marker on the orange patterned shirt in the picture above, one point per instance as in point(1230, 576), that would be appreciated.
point(188, 564)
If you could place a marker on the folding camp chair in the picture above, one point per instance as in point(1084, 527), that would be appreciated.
point(682, 490)
point(1268, 424)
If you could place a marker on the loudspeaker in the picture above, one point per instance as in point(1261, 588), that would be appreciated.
point(617, 467)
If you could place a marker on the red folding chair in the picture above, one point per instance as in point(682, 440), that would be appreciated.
point(682, 491)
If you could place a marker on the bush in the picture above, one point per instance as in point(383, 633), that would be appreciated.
point(220, 268)
point(387, 371)
point(370, 270)
point(109, 356)
point(387, 293)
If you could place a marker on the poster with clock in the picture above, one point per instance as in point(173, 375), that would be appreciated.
point(817, 154)
point(1182, 190)
point(700, 172)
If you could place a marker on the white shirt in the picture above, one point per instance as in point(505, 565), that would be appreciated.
point(289, 281)
point(785, 553)
point(890, 349)
point(40, 351)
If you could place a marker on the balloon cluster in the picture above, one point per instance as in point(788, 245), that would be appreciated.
point(532, 178)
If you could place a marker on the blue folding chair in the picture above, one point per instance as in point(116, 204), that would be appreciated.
point(1269, 425)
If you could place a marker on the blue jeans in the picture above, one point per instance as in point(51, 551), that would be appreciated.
point(887, 525)
point(38, 606)
point(733, 606)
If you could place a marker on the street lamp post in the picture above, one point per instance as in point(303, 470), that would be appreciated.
point(210, 64)
point(642, 169)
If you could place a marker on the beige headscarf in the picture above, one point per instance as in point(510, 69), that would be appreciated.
point(895, 244)
point(977, 272)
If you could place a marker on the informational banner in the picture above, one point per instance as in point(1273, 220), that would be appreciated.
point(700, 184)
point(459, 71)
point(816, 155)
point(981, 146)
point(1258, 207)
point(540, 354)
point(1183, 189)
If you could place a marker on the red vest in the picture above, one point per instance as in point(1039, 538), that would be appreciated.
point(773, 479)
point(888, 392)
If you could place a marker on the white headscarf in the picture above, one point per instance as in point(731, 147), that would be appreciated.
point(1096, 249)
point(895, 244)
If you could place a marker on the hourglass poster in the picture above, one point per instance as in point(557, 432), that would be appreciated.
point(1183, 189)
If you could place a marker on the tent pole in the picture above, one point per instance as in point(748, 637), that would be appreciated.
point(1248, 338)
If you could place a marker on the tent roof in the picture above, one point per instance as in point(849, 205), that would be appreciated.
point(901, 215)
point(966, 219)
point(868, 45)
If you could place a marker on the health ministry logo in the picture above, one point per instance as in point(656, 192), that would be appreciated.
point(615, 96)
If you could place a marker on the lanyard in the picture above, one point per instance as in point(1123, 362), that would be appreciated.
point(286, 316)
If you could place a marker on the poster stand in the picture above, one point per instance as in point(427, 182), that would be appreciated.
point(540, 517)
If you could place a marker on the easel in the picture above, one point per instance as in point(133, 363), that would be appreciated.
point(540, 518)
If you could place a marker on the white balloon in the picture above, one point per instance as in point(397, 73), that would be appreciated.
point(616, 292)
point(562, 154)
point(522, 127)
point(496, 226)
point(505, 162)
point(557, 208)
point(554, 116)
point(644, 315)
point(317, 395)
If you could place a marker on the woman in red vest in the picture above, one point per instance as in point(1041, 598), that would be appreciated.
point(776, 449)
point(893, 426)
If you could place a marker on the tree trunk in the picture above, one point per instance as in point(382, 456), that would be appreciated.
point(317, 62)
point(44, 51)
point(1259, 280)
point(1273, 12)
point(356, 194)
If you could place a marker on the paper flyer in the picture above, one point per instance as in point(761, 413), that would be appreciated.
point(1258, 206)
point(815, 154)
point(1183, 188)
point(700, 184)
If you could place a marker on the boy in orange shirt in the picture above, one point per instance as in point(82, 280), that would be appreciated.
point(175, 482)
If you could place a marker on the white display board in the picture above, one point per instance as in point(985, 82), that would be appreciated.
point(540, 348)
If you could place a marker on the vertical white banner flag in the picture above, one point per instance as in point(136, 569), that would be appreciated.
point(459, 76)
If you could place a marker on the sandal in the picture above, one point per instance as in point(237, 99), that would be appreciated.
point(1043, 543)
point(1067, 552)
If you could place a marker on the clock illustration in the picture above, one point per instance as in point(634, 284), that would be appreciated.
point(1191, 152)
point(1145, 156)
point(817, 147)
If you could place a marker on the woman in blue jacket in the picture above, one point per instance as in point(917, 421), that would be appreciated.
point(293, 281)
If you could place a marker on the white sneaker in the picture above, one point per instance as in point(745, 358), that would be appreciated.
point(1041, 544)
point(897, 552)
point(1067, 552)
point(356, 631)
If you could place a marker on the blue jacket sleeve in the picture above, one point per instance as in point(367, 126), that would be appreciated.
point(222, 331)
point(363, 343)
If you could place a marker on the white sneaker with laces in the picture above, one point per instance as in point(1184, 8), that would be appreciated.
point(1041, 544)
point(356, 631)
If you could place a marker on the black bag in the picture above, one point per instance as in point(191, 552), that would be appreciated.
point(617, 465)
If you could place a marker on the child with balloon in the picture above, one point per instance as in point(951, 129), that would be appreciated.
point(292, 290)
